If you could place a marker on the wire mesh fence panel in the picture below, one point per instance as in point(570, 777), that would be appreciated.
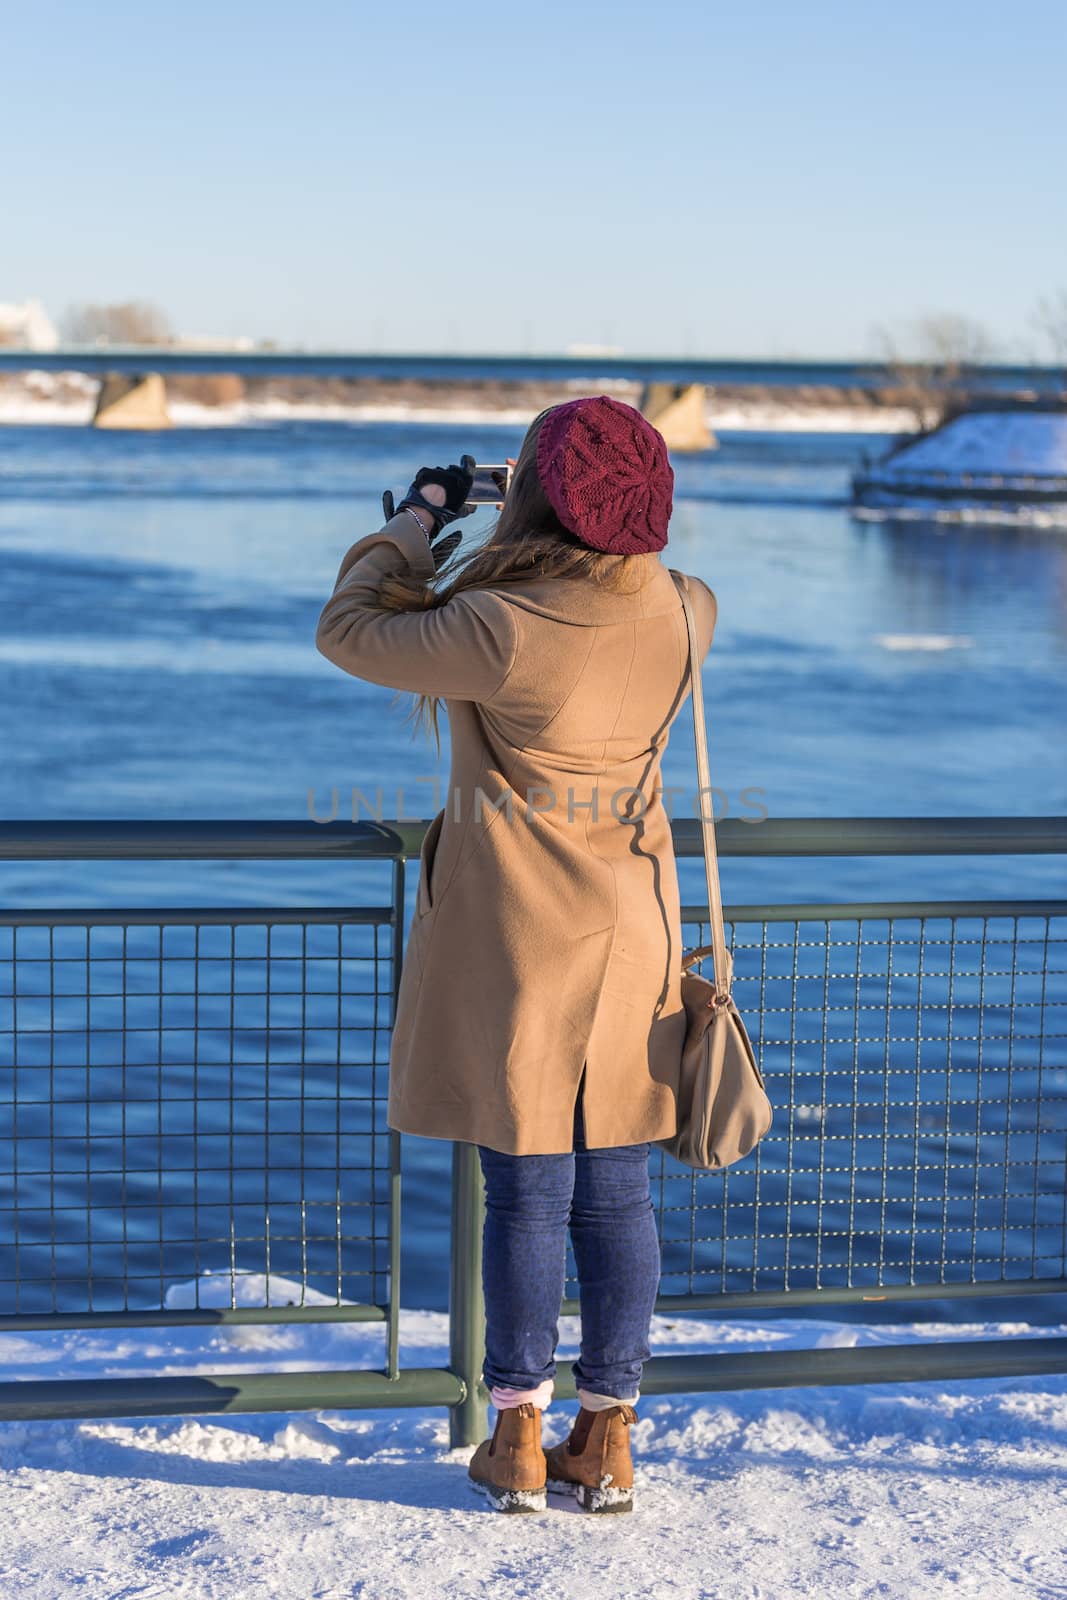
point(193, 1111)
point(917, 1065)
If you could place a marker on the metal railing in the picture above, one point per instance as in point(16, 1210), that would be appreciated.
point(192, 1119)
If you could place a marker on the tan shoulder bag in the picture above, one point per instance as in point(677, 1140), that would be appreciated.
point(723, 1109)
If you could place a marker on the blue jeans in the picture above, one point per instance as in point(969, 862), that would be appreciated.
point(603, 1197)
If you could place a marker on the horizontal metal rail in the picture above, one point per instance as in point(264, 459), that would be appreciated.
point(845, 1295)
point(190, 1317)
point(197, 841)
point(944, 1361)
point(229, 1391)
point(196, 916)
point(391, 837)
point(880, 910)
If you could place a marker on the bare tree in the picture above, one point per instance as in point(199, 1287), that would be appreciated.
point(1049, 317)
point(131, 322)
point(931, 381)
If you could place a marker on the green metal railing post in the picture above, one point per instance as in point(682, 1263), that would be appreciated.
point(392, 1334)
point(468, 1422)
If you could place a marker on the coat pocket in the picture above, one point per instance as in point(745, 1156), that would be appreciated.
point(427, 856)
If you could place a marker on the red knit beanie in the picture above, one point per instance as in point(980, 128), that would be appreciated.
point(607, 475)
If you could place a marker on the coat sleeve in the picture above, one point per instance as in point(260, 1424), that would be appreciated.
point(462, 650)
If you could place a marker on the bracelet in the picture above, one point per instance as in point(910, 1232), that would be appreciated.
point(412, 512)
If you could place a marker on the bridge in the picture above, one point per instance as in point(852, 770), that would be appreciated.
point(993, 380)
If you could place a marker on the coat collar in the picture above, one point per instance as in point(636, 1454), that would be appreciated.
point(650, 591)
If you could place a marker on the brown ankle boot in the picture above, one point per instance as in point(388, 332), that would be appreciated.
point(509, 1468)
point(594, 1463)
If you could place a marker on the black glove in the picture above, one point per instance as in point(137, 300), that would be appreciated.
point(456, 482)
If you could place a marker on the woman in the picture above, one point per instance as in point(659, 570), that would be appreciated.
point(539, 1011)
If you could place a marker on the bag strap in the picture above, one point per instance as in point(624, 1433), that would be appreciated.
point(721, 957)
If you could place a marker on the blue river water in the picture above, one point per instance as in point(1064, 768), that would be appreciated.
point(158, 600)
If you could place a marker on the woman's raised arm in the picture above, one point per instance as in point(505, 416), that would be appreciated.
point(462, 650)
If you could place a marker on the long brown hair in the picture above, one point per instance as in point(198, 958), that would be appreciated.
point(527, 540)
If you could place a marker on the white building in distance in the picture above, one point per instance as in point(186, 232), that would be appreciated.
point(27, 326)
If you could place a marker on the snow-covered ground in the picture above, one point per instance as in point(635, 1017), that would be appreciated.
point(69, 398)
point(910, 1492)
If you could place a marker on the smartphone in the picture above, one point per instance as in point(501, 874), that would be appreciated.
point(491, 484)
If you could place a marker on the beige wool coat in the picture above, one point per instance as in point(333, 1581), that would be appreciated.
point(546, 936)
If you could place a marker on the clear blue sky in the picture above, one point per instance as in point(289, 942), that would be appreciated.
point(765, 179)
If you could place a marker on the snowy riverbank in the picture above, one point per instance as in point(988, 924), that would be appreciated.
point(67, 399)
point(911, 1492)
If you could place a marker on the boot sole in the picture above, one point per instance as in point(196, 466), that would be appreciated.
point(599, 1502)
point(510, 1500)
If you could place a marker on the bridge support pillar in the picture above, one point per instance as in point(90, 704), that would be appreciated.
point(679, 411)
point(132, 401)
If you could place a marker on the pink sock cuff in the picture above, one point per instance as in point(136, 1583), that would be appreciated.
point(503, 1397)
